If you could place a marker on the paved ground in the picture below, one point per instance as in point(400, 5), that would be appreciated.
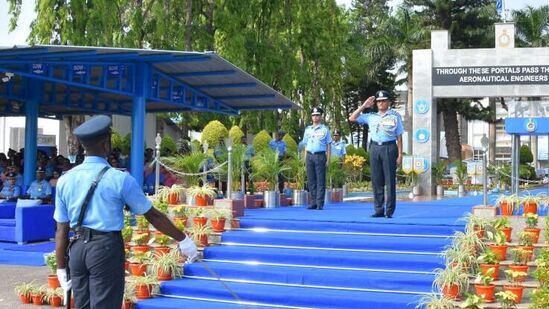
point(11, 275)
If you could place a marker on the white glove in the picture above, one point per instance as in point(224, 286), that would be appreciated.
point(188, 249)
point(62, 276)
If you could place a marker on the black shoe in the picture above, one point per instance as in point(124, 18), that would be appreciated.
point(388, 216)
point(377, 215)
point(311, 207)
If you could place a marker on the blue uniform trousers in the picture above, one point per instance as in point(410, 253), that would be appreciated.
point(383, 168)
point(316, 178)
point(97, 271)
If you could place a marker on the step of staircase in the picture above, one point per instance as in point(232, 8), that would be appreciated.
point(294, 296)
point(313, 277)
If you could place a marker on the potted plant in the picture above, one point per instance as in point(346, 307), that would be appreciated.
point(144, 286)
point(127, 232)
point(527, 240)
point(499, 246)
point(476, 223)
point(200, 235)
point(142, 223)
point(190, 164)
point(435, 300)
point(218, 216)
point(335, 176)
point(539, 298)
point(503, 224)
point(489, 260)
point(508, 300)
point(530, 203)
point(23, 291)
point(439, 170)
point(451, 281)
point(484, 287)
point(199, 216)
point(171, 195)
point(473, 302)
point(531, 221)
point(51, 262)
point(202, 195)
point(141, 241)
point(514, 283)
point(162, 241)
point(129, 297)
point(520, 258)
point(138, 263)
point(54, 297)
point(38, 294)
point(266, 166)
point(461, 176)
point(470, 243)
point(507, 204)
point(166, 266)
point(297, 173)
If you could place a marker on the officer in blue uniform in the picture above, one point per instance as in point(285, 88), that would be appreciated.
point(39, 188)
point(338, 146)
point(317, 139)
point(97, 256)
point(280, 146)
point(11, 190)
point(385, 127)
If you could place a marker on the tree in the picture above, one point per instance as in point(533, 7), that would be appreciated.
point(532, 26)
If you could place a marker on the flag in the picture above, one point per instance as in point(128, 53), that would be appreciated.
point(499, 6)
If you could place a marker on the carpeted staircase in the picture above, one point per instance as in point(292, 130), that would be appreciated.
point(335, 258)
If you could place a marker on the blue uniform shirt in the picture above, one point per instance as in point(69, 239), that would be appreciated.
point(18, 180)
point(105, 210)
point(250, 152)
point(39, 189)
point(383, 128)
point(316, 138)
point(280, 146)
point(11, 193)
point(338, 149)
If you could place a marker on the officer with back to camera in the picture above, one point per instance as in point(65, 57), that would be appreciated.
point(97, 257)
point(385, 127)
point(317, 139)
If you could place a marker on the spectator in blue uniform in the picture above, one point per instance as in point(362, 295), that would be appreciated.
point(279, 146)
point(96, 257)
point(10, 191)
point(317, 139)
point(40, 188)
point(338, 146)
point(385, 128)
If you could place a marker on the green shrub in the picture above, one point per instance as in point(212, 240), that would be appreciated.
point(213, 132)
point(261, 141)
point(168, 147)
point(116, 140)
point(526, 155)
point(291, 145)
point(126, 144)
point(236, 134)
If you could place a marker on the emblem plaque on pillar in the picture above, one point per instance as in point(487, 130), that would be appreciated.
point(421, 165)
point(407, 164)
point(422, 107)
point(422, 135)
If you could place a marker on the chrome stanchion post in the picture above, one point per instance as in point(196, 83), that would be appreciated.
point(484, 142)
point(229, 144)
point(157, 140)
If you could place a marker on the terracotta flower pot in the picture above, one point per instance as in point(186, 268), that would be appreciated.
point(142, 291)
point(517, 290)
point(519, 268)
point(161, 250)
point(53, 282)
point(162, 276)
point(530, 208)
point(173, 198)
point(141, 248)
point(126, 304)
point(500, 251)
point(506, 209)
point(486, 292)
point(137, 269)
point(38, 299)
point(533, 231)
point(485, 267)
point(530, 249)
point(200, 221)
point(181, 219)
point(479, 231)
point(218, 225)
point(201, 200)
point(126, 265)
point(202, 240)
point(25, 299)
point(507, 231)
point(55, 301)
point(451, 291)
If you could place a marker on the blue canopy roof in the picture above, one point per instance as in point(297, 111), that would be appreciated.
point(91, 80)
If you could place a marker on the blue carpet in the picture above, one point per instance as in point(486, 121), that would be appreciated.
point(44, 248)
point(288, 295)
point(29, 254)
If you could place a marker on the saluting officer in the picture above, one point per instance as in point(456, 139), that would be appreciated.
point(40, 188)
point(317, 139)
point(97, 258)
point(386, 130)
point(338, 146)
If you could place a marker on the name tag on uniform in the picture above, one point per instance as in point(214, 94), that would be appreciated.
point(319, 133)
point(388, 122)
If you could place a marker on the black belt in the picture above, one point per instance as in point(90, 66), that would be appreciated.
point(84, 230)
point(315, 153)
point(383, 143)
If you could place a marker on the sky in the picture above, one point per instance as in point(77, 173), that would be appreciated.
point(20, 34)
